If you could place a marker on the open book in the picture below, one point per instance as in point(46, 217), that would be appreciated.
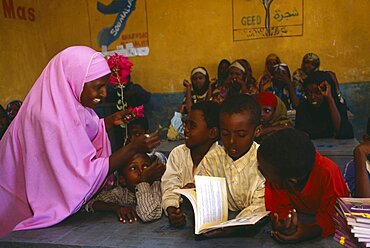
point(209, 201)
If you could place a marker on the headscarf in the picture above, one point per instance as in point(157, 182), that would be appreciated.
point(279, 117)
point(265, 81)
point(299, 75)
point(55, 154)
point(312, 58)
point(199, 94)
point(221, 76)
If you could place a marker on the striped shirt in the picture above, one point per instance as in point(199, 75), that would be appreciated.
point(245, 184)
point(179, 172)
point(146, 200)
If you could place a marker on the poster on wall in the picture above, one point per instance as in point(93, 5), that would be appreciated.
point(119, 26)
point(264, 19)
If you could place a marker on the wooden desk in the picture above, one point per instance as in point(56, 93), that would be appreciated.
point(338, 150)
point(103, 230)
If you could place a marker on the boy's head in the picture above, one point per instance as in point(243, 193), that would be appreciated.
point(202, 124)
point(137, 128)
point(130, 174)
point(12, 108)
point(311, 87)
point(286, 157)
point(239, 117)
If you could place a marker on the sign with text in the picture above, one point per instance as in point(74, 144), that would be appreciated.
point(117, 24)
point(262, 19)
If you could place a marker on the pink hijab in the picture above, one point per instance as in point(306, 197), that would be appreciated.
point(55, 154)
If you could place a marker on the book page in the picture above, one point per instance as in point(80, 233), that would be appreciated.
point(251, 219)
point(211, 200)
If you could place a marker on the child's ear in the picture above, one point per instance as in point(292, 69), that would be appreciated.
point(122, 181)
point(213, 133)
point(257, 131)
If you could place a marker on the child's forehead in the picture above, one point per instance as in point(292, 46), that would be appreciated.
point(139, 157)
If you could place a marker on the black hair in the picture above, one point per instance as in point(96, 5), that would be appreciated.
point(317, 78)
point(211, 112)
point(368, 126)
point(143, 122)
point(239, 103)
point(290, 152)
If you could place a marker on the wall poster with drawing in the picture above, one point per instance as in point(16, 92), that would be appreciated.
point(115, 23)
point(261, 19)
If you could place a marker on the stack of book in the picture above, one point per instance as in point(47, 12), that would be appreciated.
point(352, 222)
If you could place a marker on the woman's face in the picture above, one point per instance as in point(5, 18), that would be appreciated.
point(308, 67)
point(270, 65)
point(314, 95)
point(266, 114)
point(94, 92)
point(234, 74)
point(198, 81)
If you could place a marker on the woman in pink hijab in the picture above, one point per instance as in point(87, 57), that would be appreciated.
point(56, 154)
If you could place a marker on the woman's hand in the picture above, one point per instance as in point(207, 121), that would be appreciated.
point(146, 142)
point(118, 118)
point(126, 214)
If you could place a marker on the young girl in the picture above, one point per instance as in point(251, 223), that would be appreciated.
point(322, 115)
point(273, 115)
point(198, 90)
point(201, 134)
point(138, 192)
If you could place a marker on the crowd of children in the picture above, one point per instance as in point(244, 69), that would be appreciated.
point(283, 174)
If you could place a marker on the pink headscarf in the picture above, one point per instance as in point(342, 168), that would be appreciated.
point(55, 154)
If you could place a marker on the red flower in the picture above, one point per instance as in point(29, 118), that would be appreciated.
point(120, 67)
point(138, 111)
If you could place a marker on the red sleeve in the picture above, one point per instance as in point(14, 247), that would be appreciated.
point(335, 187)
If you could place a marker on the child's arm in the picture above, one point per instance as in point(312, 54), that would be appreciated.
point(123, 213)
point(111, 201)
point(148, 199)
point(362, 176)
point(258, 200)
point(171, 180)
point(188, 99)
point(325, 90)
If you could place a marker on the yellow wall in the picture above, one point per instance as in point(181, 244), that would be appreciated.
point(182, 35)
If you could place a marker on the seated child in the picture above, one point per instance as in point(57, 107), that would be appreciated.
point(138, 192)
point(322, 115)
point(357, 171)
point(299, 180)
point(237, 160)
point(273, 115)
point(199, 89)
point(12, 109)
point(201, 134)
point(139, 127)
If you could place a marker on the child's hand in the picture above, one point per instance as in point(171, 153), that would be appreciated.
point(153, 173)
point(325, 89)
point(126, 214)
point(176, 217)
point(290, 230)
point(189, 186)
point(287, 226)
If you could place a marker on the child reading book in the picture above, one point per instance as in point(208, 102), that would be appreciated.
point(138, 193)
point(299, 180)
point(201, 134)
point(237, 160)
